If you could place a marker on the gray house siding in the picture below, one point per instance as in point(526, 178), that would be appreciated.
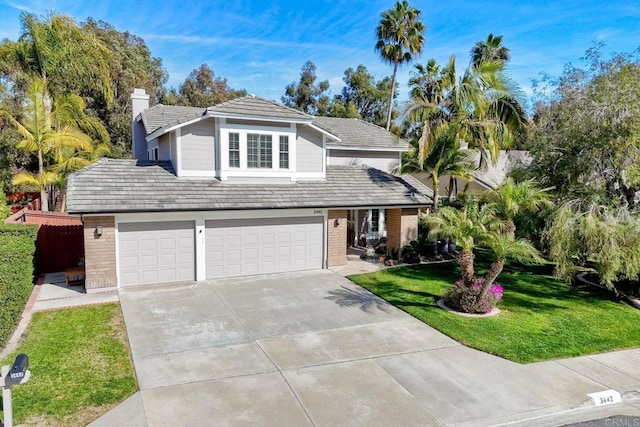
point(308, 150)
point(257, 123)
point(382, 160)
point(164, 147)
point(198, 146)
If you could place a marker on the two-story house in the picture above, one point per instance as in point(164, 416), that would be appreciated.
point(240, 188)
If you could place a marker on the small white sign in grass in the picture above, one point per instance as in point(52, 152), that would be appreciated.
point(606, 397)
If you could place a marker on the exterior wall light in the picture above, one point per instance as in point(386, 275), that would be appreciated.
point(99, 231)
point(338, 221)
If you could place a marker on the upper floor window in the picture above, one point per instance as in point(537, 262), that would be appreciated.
point(259, 151)
point(284, 152)
point(375, 220)
point(234, 150)
point(153, 153)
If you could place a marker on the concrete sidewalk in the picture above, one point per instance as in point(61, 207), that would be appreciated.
point(313, 348)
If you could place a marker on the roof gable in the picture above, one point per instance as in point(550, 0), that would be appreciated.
point(166, 116)
point(253, 107)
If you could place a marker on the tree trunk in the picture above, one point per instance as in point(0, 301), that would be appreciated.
point(436, 193)
point(44, 197)
point(393, 89)
point(510, 228)
point(466, 265)
point(492, 275)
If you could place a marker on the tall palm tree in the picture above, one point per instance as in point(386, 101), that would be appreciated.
point(49, 137)
point(469, 226)
point(505, 246)
point(56, 51)
point(489, 50)
point(400, 39)
point(512, 198)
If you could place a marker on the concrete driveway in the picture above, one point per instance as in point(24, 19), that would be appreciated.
point(313, 348)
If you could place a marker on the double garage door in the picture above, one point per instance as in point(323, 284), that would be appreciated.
point(158, 252)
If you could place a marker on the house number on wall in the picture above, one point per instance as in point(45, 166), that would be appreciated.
point(317, 212)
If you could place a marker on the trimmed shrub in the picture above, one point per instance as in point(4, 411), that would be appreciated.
point(17, 248)
point(409, 255)
point(465, 298)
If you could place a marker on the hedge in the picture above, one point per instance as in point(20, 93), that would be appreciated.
point(17, 249)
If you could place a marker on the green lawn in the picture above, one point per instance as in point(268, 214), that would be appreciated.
point(80, 366)
point(541, 318)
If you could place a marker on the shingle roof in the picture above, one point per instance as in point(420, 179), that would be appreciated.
point(357, 133)
point(165, 116)
point(112, 186)
point(254, 106)
point(495, 174)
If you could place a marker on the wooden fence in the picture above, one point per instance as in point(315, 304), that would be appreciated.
point(60, 241)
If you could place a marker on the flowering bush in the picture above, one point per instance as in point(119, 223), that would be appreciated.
point(465, 298)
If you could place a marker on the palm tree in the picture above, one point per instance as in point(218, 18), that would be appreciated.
point(490, 50)
point(445, 158)
point(473, 109)
point(400, 39)
point(469, 226)
point(513, 198)
point(56, 51)
point(47, 135)
point(504, 246)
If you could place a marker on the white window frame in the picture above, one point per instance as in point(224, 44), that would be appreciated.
point(244, 171)
point(153, 154)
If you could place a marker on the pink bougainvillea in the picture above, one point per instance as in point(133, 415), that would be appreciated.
point(465, 298)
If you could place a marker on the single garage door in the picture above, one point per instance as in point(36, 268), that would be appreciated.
point(156, 252)
point(261, 246)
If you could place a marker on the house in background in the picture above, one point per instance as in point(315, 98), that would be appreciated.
point(240, 188)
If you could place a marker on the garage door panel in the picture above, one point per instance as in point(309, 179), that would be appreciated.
point(259, 246)
point(156, 252)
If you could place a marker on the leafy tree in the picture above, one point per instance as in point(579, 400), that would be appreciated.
point(582, 232)
point(489, 50)
point(308, 96)
point(51, 135)
point(400, 39)
point(203, 89)
point(470, 226)
point(338, 108)
point(586, 136)
point(513, 198)
point(370, 97)
point(62, 55)
point(5, 210)
point(131, 66)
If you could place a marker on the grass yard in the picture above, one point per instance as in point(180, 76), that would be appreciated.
point(80, 366)
point(541, 318)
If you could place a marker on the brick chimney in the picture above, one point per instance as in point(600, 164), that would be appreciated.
point(139, 103)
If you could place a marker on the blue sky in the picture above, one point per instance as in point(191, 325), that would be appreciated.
point(260, 46)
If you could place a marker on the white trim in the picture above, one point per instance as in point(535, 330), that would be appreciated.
point(325, 240)
point(159, 132)
point(116, 236)
point(382, 224)
point(178, 134)
point(324, 155)
point(324, 132)
point(213, 215)
point(368, 148)
point(200, 249)
point(197, 174)
point(256, 119)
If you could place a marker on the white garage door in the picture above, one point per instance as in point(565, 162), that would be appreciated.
point(156, 252)
point(261, 246)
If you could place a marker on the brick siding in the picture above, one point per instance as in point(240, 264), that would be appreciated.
point(402, 227)
point(100, 252)
point(336, 238)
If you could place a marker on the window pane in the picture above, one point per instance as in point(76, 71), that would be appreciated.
point(265, 151)
point(284, 152)
point(234, 150)
point(375, 220)
point(252, 150)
